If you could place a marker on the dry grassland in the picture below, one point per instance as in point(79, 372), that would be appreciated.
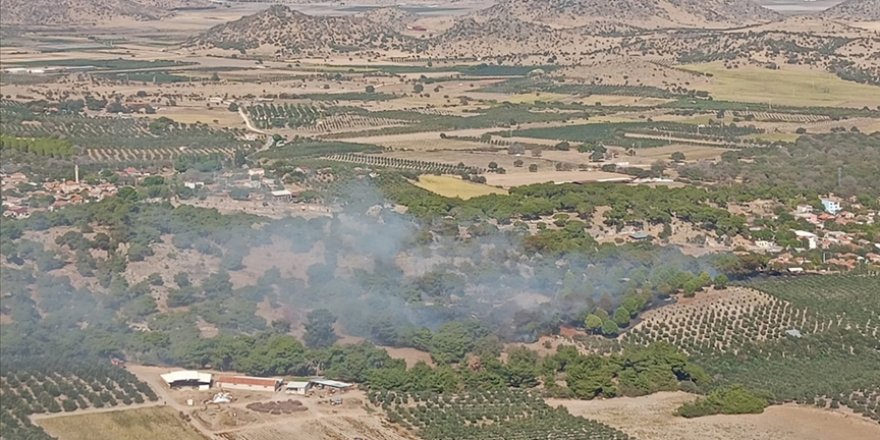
point(138, 424)
point(526, 178)
point(786, 87)
point(652, 418)
point(691, 152)
point(450, 186)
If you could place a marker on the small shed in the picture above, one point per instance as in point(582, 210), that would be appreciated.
point(332, 385)
point(296, 387)
point(282, 195)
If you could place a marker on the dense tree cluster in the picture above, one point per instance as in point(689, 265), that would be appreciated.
point(841, 163)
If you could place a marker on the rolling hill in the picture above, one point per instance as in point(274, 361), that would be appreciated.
point(286, 31)
point(855, 10)
point(641, 13)
point(79, 12)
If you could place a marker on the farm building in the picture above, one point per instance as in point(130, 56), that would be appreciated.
point(332, 385)
point(248, 383)
point(295, 387)
point(187, 379)
point(282, 195)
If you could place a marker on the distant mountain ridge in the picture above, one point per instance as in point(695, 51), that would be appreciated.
point(641, 13)
point(855, 10)
point(77, 12)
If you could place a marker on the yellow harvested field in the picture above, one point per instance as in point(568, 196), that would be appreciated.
point(513, 179)
point(786, 87)
point(449, 186)
point(136, 424)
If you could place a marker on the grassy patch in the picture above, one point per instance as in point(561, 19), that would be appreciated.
point(786, 87)
point(449, 186)
point(139, 424)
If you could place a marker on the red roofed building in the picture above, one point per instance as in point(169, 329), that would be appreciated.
point(248, 383)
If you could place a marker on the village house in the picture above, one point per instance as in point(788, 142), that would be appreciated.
point(811, 238)
point(831, 205)
point(16, 212)
point(803, 209)
point(14, 179)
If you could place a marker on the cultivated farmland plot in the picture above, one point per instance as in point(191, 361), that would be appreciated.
point(784, 117)
point(811, 339)
point(488, 415)
point(407, 164)
point(338, 123)
point(50, 390)
point(286, 115)
point(724, 321)
point(134, 424)
point(315, 118)
point(110, 139)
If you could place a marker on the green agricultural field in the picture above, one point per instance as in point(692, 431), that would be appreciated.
point(501, 414)
point(615, 133)
point(786, 87)
point(831, 360)
point(139, 424)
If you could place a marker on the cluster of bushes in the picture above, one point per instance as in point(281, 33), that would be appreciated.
point(728, 400)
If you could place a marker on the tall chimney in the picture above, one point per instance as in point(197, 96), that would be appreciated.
point(76, 172)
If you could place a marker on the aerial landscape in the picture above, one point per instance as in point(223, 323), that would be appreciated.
point(440, 219)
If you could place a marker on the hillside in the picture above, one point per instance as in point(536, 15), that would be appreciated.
point(855, 10)
point(76, 12)
point(642, 13)
point(390, 17)
point(286, 31)
point(510, 36)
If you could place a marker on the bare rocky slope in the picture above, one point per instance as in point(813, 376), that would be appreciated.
point(81, 12)
point(855, 10)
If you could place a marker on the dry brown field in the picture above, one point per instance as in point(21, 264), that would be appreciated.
point(136, 424)
point(652, 418)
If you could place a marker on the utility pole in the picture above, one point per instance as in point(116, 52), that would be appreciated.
point(839, 176)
